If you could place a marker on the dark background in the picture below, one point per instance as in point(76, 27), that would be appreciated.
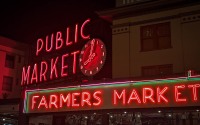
point(25, 21)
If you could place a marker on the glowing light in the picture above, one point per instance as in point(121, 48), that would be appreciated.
point(82, 28)
point(40, 44)
point(25, 75)
point(68, 43)
point(194, 91)
point(63, 73)
point(34, 74)
point(47, 43)
point(85, 99)
point(96, 96)
point(134, 96)
point(43, 73)
point(92, 97)
point(160, 94)
point(53, 101)
point(56, 44)
point(67, 99)
point(74, 61)
point(59, 39)
point(148, 96)
point(177, 94)
point(74, 99)
point(43, 102)
point(76, 34)
point(33, 101)
point(54, 68)
point(122, 95)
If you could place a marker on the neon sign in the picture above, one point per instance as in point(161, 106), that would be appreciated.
point(59, 42)
point(74, 99)
point(58, 67)
point(148, 94)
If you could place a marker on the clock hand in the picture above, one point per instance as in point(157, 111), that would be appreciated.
point(92, 46)
point(91, 57)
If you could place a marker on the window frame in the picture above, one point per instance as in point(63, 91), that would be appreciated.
point(155, 36)
point(10, 84)
point(6, 59)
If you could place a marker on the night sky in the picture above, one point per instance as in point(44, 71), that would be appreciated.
point(26, 21)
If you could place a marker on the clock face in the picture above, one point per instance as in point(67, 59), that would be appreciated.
point(92, 57)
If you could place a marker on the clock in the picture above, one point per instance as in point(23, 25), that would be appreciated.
point(92, 57)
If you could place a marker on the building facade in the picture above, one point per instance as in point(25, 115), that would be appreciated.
point(12, 56)
point(156, 39)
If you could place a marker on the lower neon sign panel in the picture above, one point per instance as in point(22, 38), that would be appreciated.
point(148, 94)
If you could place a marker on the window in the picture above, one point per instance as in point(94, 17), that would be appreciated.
point(7, 83)
point(157, 70)
point(10, 61)
point(155, 37)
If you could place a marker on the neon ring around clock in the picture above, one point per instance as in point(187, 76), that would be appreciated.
point(92, 57)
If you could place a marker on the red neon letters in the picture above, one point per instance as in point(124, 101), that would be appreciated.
point(134, 96)
point(194, 91)
point(43, 71)
point(40, 74)
point(73, 99)
point(107, 97)
point(160, 94)
point(119, 96)
point(148, 94)
point(48, 49)
point(31, 75)
point(178, 93)
point(59, 41)
point(155, 95)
